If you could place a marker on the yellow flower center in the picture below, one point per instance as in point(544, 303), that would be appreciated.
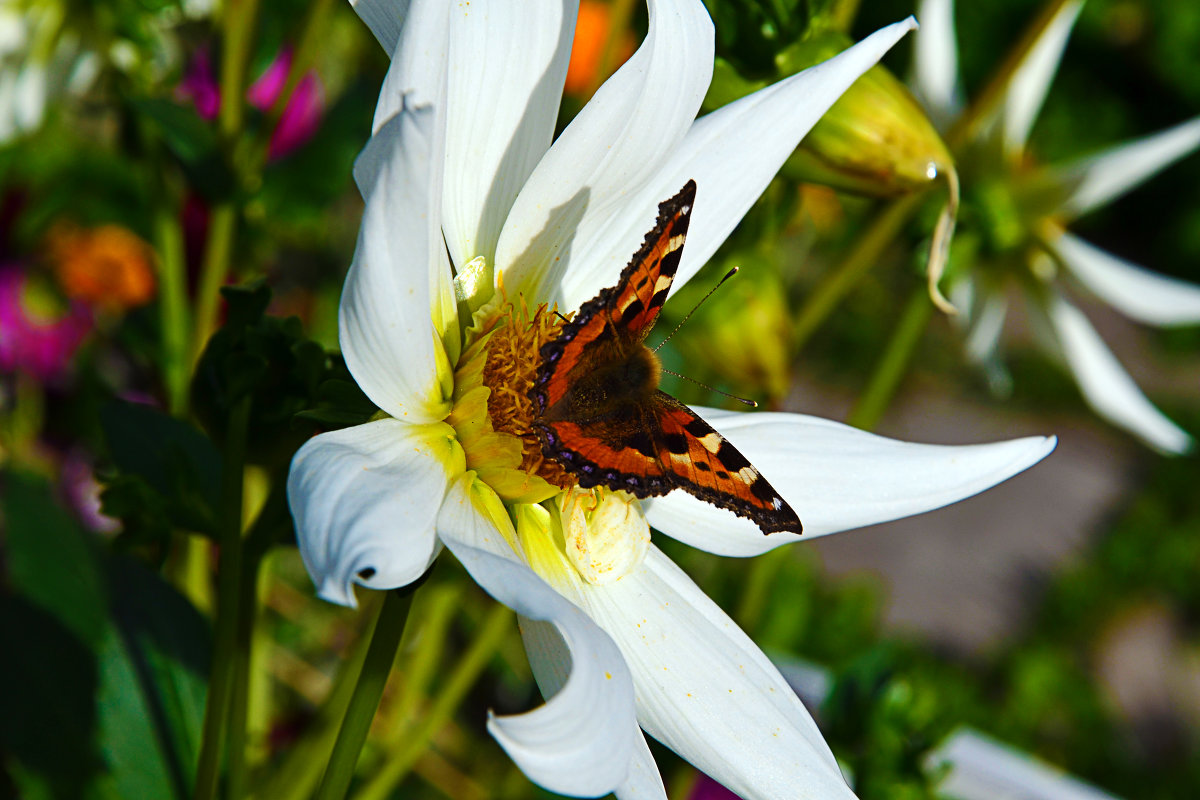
point(568, 535)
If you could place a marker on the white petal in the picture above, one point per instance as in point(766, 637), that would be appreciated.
point(1106, 176)
point(510, 61)
point(730, 174)
point(581, 741)
point(384, 18)
point(1029, 83)
point(984, 338)
point(397, 289)
point(1106, 385)
point(1139, 293)
point(365, 499)
point(644, 781)
point(837, 478)
point(609, 152)
point(705, 690)
point(935, 58)
point(417, 75)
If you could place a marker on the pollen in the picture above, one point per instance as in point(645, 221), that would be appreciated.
point(513, 358)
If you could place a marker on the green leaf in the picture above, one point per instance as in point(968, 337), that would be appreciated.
point(49, 561)
point(173, 458)
point(153, 682)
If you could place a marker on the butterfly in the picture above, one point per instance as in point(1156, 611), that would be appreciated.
point(598, 410)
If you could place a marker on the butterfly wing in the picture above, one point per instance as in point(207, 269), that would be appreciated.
point(667, 446)
point(610, 325)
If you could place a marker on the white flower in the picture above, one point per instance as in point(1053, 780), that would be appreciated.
point(461, 179)
point(38, 62)
point(1076, 187)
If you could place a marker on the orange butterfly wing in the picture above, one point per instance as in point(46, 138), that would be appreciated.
point(599, 412)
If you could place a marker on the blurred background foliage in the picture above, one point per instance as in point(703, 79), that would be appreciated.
point(141, 209)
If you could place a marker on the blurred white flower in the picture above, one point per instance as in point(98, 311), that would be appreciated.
point(476, 222)
point(1043, 199)
point(39, 62)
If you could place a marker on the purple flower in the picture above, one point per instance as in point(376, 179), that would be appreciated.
point(300, 118)
point(37, 336)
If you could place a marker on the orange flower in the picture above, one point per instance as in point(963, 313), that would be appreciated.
point(591, 34)
point(108, 267)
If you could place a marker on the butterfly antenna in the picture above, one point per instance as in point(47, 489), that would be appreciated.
point(743, 400)
point(728, 275)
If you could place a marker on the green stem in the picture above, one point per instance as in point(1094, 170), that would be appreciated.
point(762, 575)
point(893, 364)
point(173, 310)
point(385, 638)
point(398, 763)
point(239, 702)
point(838, 283)
point(300, 772)
point(238, 38)
point(217, 711)
point(214, 271)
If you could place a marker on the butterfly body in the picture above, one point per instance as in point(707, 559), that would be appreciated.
point(600, 414)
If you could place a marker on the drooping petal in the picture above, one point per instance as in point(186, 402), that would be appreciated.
point(705, 690)
point(935, 59)
point(384, 18)
point(1093, 181)
point(365, 499)
point(581, 741)
point(836, 478)
point(1029, 83)
point(510, 61)
point(608, 152)
point(1106, 385)
point(730, 175)
point(397, 299)
point(1134, 291)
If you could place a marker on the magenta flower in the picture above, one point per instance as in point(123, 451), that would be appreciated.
point(37, 336)
point(300, 118)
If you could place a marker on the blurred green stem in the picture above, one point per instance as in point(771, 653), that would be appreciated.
point(238, 23)
point(400, 760)
point(893, 364)
point(385, 638)
point(846, 275)
point(217, 711)
point(173, 310)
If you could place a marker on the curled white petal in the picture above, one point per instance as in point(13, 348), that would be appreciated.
point(397, 292)
point(730, 176)
point(706, 691)
point(1106, 385)
point(365, 499)
point(1029, 83)
point(607, 153)
point(836, 478)
point(510, 61)
point(1105, 176)
point(935, 59)
point(1134, 291)
point(581, 741)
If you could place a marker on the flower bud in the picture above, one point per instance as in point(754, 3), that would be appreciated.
point(875, 140)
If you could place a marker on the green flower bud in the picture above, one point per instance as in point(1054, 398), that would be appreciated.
point(875, 140)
